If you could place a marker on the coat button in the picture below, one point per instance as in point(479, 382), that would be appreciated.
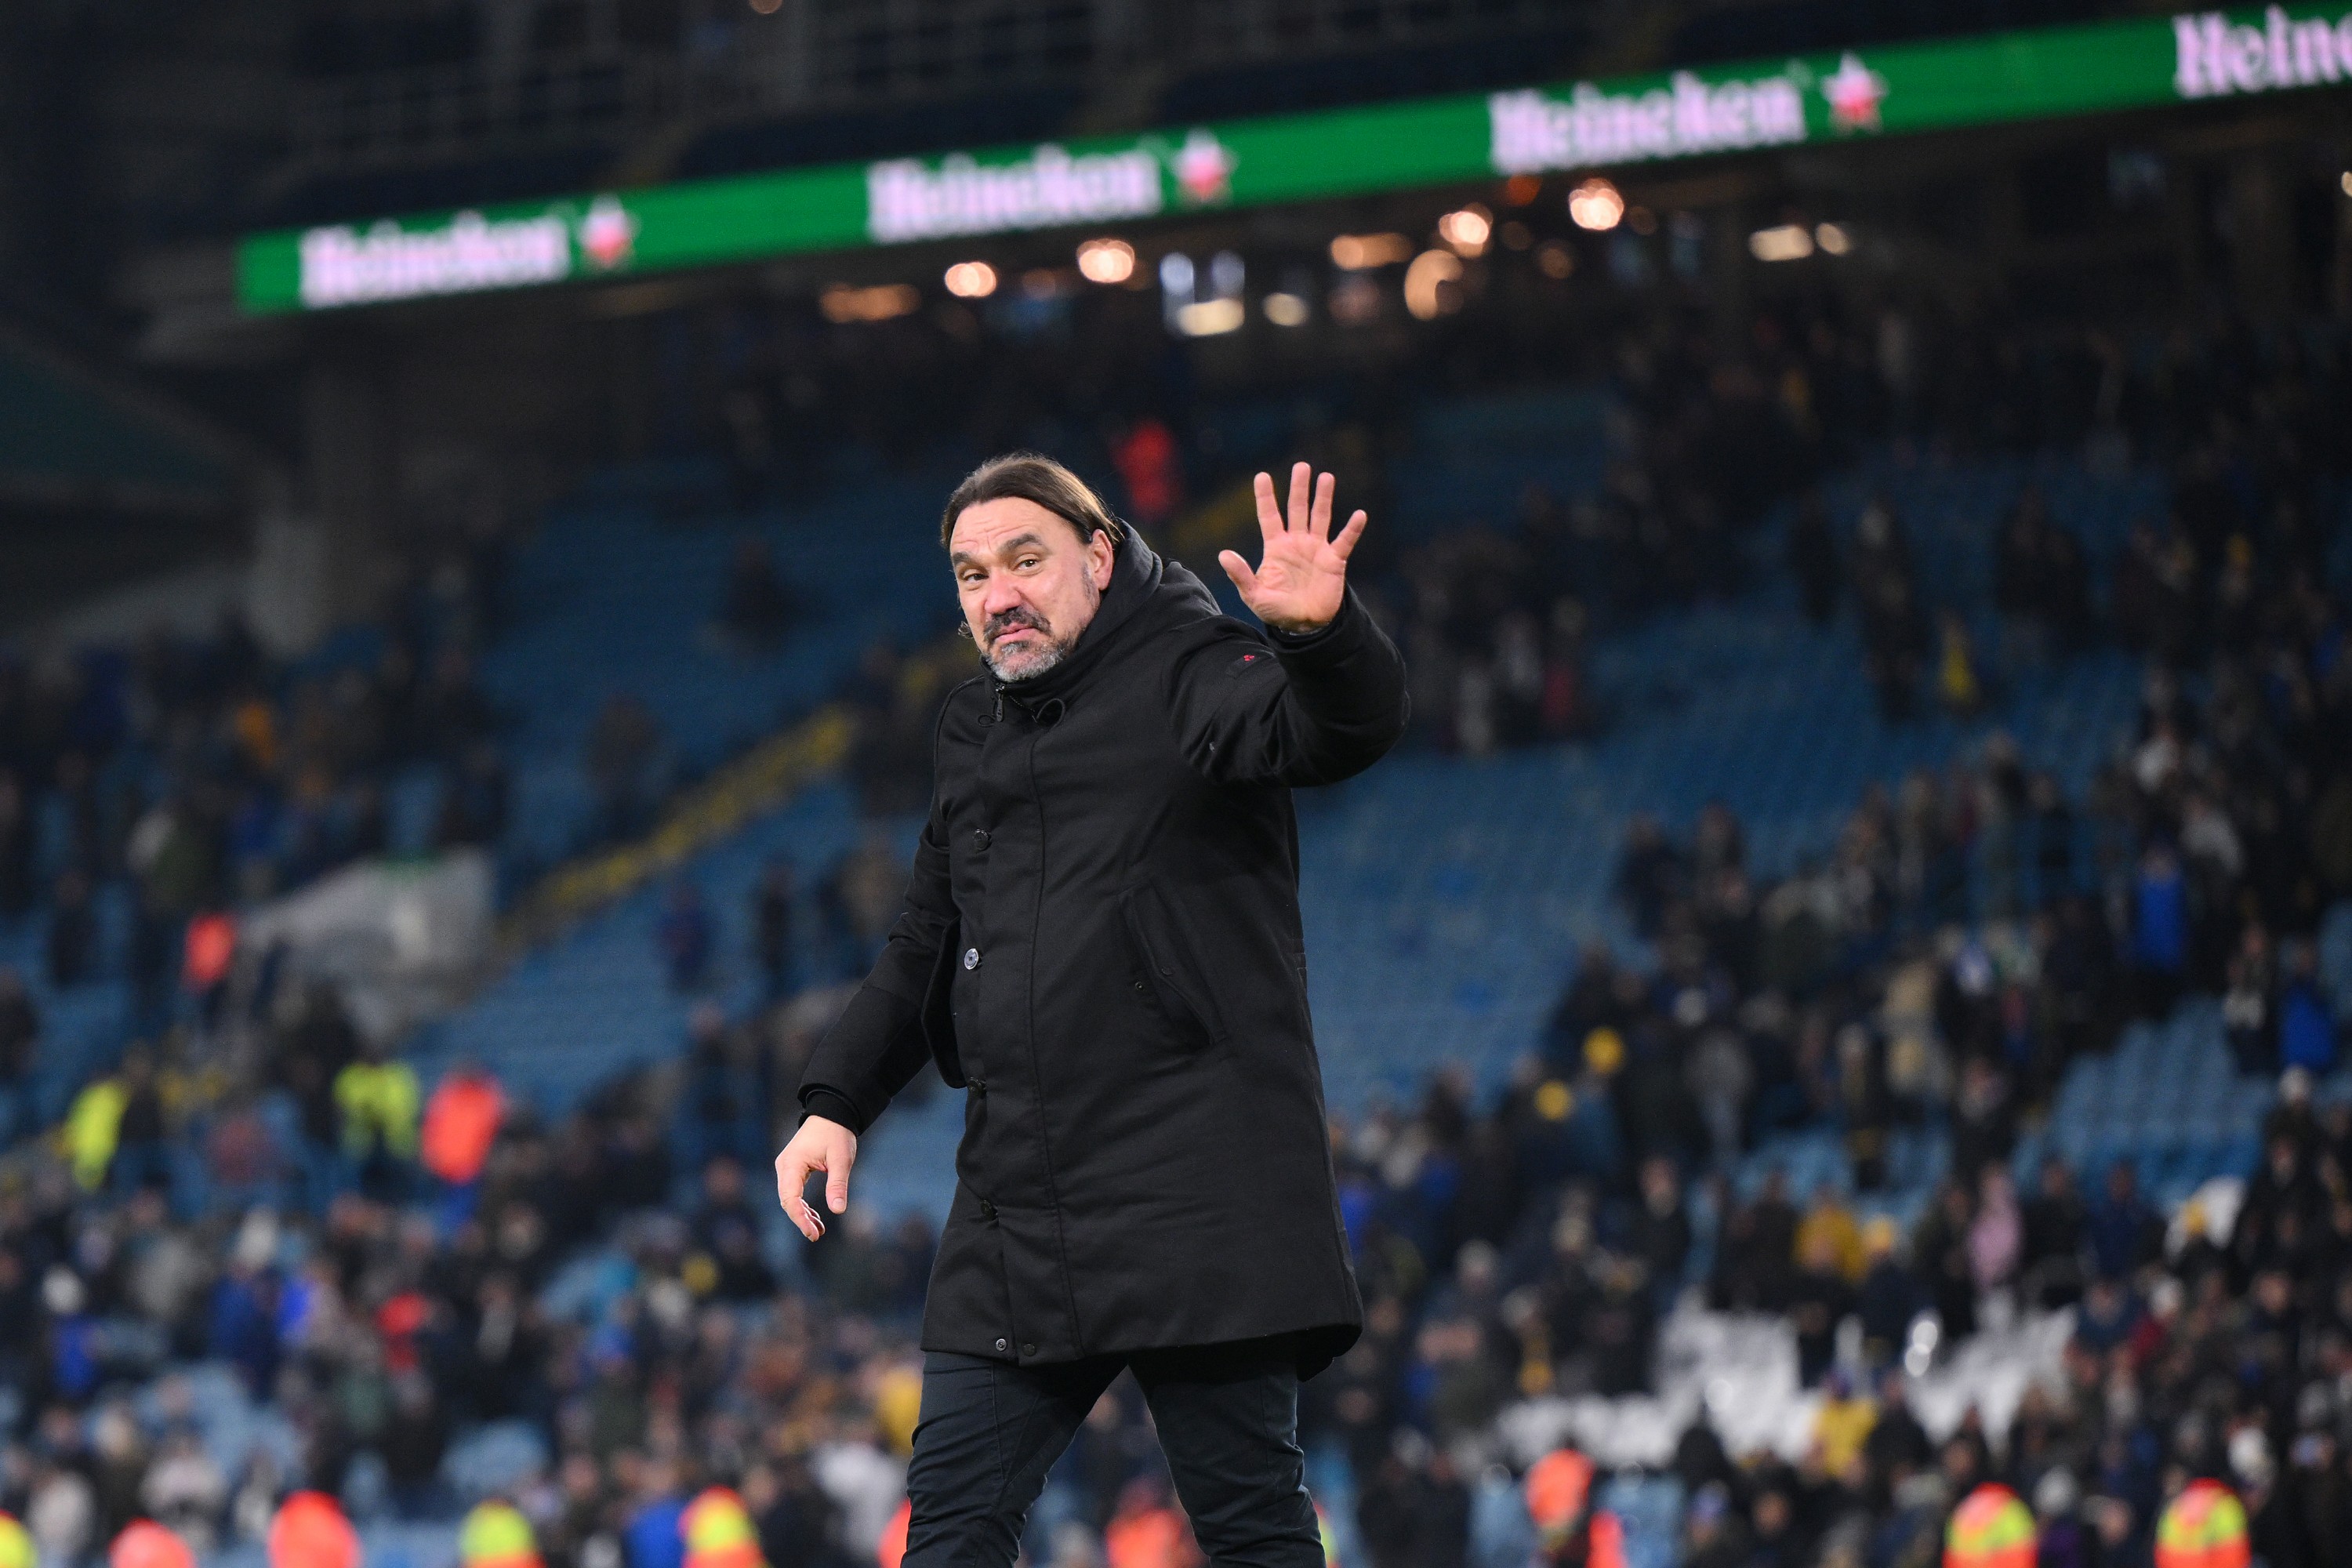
point(1028, 1350)
point(971, 958)
point(988, 1211)
point(978, 1085)
point(1002, 1345)
point(980, 839)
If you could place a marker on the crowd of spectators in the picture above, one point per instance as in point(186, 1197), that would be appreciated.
point(196, 774)
point(614, 1285)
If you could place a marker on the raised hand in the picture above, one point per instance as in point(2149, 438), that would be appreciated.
point(1302, 578)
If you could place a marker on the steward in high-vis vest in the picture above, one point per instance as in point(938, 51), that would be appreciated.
point(144, 1543)
point(16, 1548)
point(495, 1534)
point(1992, 1527)
point(719, 1531)
point(2204, 1527)
point(1570, 1532)
point(310, 1530)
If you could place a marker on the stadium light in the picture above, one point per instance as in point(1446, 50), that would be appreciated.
point(1285, 309)
point(1208, 318)
point(1468, 230)
point(1429, 284)
point(1787, 242)
point(1191, 311)
point(1107, 261)
point(1834, 238)
point(766, 8)
point(2346, 182)
point(846, 303)
point(1596, 204)
point(971, 281)
point(1362, 252)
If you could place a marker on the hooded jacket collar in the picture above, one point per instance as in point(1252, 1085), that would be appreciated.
point(1136, 574)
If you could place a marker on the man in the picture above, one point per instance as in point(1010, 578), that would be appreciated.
point(1101, 944)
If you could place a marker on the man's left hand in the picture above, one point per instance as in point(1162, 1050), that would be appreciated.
point(1302, 580)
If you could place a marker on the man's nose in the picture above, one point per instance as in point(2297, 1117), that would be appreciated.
point(999, 596)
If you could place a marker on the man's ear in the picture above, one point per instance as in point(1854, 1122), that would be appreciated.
point(1100, 553)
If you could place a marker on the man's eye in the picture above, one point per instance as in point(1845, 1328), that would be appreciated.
point(1026, 562)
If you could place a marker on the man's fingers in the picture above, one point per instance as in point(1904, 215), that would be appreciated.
point(793, 1170)
point(1244, 577)
point(1269, 516)
point(1345, 545)
point(1318, 520)
point(836, 1184)
point(1302, 479)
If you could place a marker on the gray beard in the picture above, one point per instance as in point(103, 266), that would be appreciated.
point(1027, 664)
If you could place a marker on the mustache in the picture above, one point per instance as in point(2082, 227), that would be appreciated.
point(998, 624)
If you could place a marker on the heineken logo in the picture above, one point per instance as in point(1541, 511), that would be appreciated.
point(1533, 132)
point(2214, 56)
point(343, 265)
point(909, 199)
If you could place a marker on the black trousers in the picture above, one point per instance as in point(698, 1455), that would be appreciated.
point(1228, 1421)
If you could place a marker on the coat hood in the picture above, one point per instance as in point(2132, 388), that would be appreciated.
point(1143, 588)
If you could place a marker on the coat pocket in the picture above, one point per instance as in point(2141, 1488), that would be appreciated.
point(1160, 958)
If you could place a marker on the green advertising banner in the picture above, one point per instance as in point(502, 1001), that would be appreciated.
point(1852, 95)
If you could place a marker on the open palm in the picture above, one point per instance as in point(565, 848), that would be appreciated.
point(1301, 577)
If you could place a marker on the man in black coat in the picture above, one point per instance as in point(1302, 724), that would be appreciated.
point(1101, 945)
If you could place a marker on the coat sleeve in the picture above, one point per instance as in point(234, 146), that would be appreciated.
point(877, 1044)
point(1287, 710)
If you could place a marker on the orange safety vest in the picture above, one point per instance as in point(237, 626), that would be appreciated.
point(461, 1122)
point(719, 1533)
point(144, 1543)
point(310, 1532)
point(2204, 1527)
point(1150, 1538)
point(893, 1550)
point(1990, 1529)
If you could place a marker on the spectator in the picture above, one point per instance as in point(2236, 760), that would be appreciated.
point(622, 746)
point(2125, 1233)
point(772, 927)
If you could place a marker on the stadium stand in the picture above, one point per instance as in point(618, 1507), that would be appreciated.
point(1738, 830)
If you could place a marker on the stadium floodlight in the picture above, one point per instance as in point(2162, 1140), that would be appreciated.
point(1107, 261)
point(1596, 204)
point(1834, 238)
point(1285, 309)
point(1431, 285)
point(971, 281)
point(1362, 252)
point(1785, 242)
point(1468, 230)
point(1208, 318)
point(2346, 182)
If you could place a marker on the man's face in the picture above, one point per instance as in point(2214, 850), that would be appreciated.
point(1028, 583)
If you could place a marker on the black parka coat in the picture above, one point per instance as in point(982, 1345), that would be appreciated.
point(1101, 944)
